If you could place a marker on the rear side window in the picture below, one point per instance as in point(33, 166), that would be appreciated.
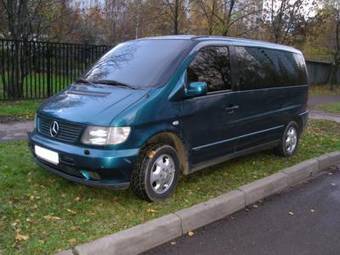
point(211, 65)
point(266, 68)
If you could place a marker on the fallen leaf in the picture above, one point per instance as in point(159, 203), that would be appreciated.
point(150, 210)
point(72, 241)
point(50, 217)
point(19, 237)
point(71, 211)
point(190, 233)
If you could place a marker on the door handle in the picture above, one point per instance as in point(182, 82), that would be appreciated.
point(232, 108)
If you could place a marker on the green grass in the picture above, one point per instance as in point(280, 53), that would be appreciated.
point(36, 84)
point(323, 90)
point(19, 109)
point(54, 214)
point(331, 107)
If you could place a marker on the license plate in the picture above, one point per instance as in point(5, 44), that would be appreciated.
point(48, 155)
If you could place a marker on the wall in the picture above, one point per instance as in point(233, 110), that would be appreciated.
point(319, 72)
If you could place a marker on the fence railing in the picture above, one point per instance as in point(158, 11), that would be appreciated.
point(33, 70)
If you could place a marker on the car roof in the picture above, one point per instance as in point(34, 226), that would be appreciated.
point(229, 40)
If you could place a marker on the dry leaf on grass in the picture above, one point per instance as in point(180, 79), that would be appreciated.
point(72, 241)
point(19, 237)
point(51, 218)
point(150, 210)
point(71, 211)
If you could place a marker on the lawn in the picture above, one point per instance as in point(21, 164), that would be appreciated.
point(19, 110)
point(36, 85)
point(323, 90)
point(41, 213)
point(331, 107)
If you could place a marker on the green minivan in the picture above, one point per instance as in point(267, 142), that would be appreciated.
point(152, 109)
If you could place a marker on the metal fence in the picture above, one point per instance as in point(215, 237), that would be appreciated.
point(33, 70)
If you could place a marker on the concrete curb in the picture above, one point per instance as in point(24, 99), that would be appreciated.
point(146, 236)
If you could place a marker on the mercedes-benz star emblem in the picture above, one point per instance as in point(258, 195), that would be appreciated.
point(54, 129)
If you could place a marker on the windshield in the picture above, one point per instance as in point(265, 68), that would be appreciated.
point(140, 63)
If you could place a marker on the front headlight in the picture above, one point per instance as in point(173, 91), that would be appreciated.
point(105, 135)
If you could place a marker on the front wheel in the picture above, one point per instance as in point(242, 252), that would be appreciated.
point(156, 173)
point(289, 140)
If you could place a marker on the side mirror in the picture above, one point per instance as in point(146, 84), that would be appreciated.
point(196, 89)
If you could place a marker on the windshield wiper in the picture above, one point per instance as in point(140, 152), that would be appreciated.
point(114, 83)
point(84, 81)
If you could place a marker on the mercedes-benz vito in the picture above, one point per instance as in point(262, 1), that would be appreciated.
point(154, 108)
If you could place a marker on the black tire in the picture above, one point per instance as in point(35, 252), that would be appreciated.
point(140, 179)
point(283, 149)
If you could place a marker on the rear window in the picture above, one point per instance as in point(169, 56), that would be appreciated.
point(266, 68)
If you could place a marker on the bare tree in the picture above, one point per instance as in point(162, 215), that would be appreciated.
point(222, 15)
point(334, 8)
point(284, 17)
point(24, 20)
point(176, 11)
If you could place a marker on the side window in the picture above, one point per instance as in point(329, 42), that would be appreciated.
point(211, 65)
point(290, 68)
point(266, 68)
point(301, 69)
point(256, 68)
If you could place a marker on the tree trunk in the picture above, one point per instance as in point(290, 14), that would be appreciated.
point(17, 72)
point(332, 80)
point(176, 17)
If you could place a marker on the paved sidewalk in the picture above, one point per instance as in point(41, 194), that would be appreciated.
point(15, 130)
point(303, 220)
point(319, 115)
point(316, 100)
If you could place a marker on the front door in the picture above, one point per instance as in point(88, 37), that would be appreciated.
point(205, 119)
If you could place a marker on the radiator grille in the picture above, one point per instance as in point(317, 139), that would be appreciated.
point(68, 133)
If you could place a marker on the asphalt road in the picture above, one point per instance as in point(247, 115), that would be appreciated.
point(303, 220)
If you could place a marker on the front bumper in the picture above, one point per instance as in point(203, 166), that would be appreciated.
point(104, 167)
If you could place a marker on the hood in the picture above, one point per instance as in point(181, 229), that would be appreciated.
point(88, 104)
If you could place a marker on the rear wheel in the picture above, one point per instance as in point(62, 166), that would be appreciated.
point(156, 174)
point(289, 141)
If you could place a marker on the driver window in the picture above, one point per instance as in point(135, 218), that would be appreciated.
point(211, 65)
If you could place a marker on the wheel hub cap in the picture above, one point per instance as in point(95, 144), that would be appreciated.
point(291, 139)
point(162, 173)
